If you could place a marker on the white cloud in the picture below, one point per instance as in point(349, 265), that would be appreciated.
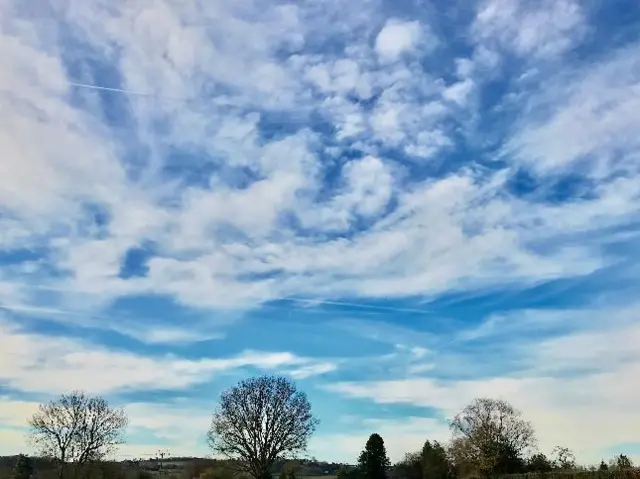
point(400, 437)
point(551, 321)
point(161, 335)
point(464, 67)
point(14, 413)
point(541, 29)
point(409, 115)
point(213, 82)
point(590, 349)
point(48, 181)
point(47, 364)
point(585, 120)
point(167, 331)
point(304, 372)
point(370, 185)
point(197, 262)
point(12, 441)
point(342, 76)
point(458, 92)
point(589, 411)
point(396, 38)
point(180, 426)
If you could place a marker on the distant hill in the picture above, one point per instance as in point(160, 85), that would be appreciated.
point(38, 462)
point(189, 466)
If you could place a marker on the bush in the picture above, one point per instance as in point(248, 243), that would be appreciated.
point(608, 474)
point(218, 472)
point(23, 468)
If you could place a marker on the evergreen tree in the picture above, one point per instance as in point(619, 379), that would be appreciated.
point(373, 462)
point(603, 466)
point(435, 464)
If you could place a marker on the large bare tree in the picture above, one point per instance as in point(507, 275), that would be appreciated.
point(77, 428)
point(491, 435)
point(260, 420)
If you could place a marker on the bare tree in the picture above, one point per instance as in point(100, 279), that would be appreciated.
point(260, 420)
point(77, 428)
point(564, 458)
point(620, 462)
point(494, 434)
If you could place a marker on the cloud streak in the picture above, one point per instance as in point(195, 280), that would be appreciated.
point(105, 88)
point(43, 364)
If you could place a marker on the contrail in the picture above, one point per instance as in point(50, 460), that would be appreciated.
point(36, 309)
point(105, 88)
point(263, 302)
point(353, 305)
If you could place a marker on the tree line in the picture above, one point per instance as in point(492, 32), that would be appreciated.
point(489, 439)
point(263, 421)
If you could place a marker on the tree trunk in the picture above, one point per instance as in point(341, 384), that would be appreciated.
point(265, 474)
point(261, 471)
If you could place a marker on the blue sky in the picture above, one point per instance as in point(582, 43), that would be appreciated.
point(401, 205)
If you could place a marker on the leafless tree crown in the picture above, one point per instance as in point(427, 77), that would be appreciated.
point(260, 420)
point(77, 428)
point(485, 429)
point(494, 420)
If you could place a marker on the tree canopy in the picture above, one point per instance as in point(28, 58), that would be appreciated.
point(410, 467)
point(263, 424)
point(261, 420)
point(565, 458)
point(491, 435)
point(621, 462)
point(539, 463)
point(373, 462)
point(77, 428)
point(435, 464)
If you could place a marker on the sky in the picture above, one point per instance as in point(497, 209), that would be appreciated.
point(400, 205)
